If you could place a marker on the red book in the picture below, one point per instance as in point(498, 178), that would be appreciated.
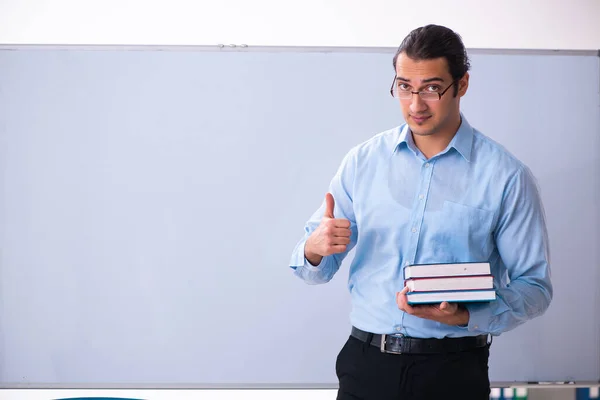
point(472, 282)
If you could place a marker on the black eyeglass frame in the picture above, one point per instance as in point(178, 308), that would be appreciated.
point(419, 93)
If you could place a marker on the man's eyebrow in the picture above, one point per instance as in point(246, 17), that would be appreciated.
point(434, 79)
point(428, 80)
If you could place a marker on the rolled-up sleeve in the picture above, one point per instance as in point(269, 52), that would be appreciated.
point(341, 189)
point(522, 241)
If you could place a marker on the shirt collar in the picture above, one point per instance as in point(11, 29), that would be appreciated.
point(461, 142)
point(406, 137)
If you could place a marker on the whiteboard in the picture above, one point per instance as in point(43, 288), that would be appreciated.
point(150, 201)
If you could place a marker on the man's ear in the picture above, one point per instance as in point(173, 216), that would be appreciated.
point(463, 85)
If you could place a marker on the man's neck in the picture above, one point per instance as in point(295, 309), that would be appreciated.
point(434, 144)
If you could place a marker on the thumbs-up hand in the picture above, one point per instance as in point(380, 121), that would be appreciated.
point(329, 206)
point(331, 236)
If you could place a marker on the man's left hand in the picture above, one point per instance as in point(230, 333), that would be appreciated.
point(446, 313)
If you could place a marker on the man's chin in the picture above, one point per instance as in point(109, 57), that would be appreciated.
point(420, 130)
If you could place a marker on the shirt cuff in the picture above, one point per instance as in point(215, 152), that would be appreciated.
point(479, 316)
point(300, 259)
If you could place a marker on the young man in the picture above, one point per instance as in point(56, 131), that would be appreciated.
point(434, 190)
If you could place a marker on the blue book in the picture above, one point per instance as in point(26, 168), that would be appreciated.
point(451, 296)
point(587, 393)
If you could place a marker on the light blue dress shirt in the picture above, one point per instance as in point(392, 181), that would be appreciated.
point(472, 202)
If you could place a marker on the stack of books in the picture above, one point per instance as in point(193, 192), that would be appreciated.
point(456, 282)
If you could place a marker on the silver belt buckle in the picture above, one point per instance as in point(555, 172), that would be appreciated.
point(383, 342)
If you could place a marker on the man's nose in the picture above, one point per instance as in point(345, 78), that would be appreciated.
point(417, 104)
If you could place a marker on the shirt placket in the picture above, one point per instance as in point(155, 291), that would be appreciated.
point(419, 210)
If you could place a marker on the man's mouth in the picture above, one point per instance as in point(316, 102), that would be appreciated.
point(420, 119)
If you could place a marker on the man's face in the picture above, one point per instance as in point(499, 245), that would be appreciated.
point(428, 117)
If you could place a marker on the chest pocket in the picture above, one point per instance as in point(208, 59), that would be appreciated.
point(463, 233)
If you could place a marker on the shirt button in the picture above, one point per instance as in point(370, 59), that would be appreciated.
point(426, 165)
point(399, 329)
point(407, 263)
point(421, 197)
point(476, 327)
point(414, 230)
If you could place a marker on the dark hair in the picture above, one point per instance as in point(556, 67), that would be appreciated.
point(435, 41)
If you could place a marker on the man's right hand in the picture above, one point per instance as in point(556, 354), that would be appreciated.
point(331, 236)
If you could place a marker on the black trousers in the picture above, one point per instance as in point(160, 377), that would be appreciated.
point(365, 373)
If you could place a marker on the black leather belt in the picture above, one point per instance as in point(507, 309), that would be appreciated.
point(398, 344)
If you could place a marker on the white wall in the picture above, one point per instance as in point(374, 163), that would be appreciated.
point(531, 24)
point(555, 393)
point(171, 394)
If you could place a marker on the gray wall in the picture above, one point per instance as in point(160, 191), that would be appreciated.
point(150, 201)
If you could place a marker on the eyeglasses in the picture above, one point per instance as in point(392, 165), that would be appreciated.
point(398, 93)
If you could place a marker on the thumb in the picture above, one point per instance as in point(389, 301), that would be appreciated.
point(330, 205)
